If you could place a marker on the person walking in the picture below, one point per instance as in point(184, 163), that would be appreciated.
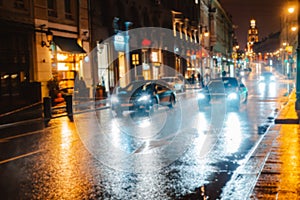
point(200, 80)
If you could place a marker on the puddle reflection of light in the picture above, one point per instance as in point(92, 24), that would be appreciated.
point(202, 126)
point(233, 133)
point(66, 137)
point(258, 67)
point(261, 87)
point(144, 123)
point(201, 122)
point(115, 136)
point(272, 89)
point(65, 164)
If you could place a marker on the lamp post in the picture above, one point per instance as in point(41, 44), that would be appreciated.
point(127, 24)
point(297, 104)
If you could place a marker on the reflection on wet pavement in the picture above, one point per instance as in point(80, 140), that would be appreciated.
point(171, 154)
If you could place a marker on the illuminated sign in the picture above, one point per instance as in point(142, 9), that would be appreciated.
point(154, 56)
point(119, 42)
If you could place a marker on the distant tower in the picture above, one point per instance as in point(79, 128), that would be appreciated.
point(252, 36)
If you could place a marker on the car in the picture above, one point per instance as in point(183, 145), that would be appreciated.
point(143, 97)
point(245, 71)
point(267, 77)
point(230, 88)
point(175, 83)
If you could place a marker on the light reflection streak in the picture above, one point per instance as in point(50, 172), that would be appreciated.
point(144, 123)
point(202, 127)
point(261, 87)
point(272, 89)
point(66, 136)
point(115, 136)
point(233, 135)
point(65, 163)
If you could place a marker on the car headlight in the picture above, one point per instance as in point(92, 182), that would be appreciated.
point(232, 96)
point(201, 96)
point(114, 99)
point(144, 98)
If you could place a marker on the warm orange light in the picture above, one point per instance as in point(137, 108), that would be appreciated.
point(291, 9)
point(206, 34)
point(294, 28)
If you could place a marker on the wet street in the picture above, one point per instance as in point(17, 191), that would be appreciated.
point(179, 153)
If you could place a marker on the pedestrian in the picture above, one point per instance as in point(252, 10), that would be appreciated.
point(224, 73)
point(200, 80)
point(81, 87)
point(193, 78)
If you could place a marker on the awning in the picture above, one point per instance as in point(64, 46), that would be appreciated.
point(69, 45)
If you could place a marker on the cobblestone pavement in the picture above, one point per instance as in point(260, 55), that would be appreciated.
point(280, 175)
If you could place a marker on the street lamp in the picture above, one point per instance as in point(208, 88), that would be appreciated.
point(49, 37)
point(127, 25)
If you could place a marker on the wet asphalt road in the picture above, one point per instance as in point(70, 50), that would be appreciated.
point(170, 154)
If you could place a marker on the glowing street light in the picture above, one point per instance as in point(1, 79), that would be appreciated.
point(291, 9)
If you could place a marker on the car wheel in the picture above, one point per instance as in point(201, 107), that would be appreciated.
point(172, 101)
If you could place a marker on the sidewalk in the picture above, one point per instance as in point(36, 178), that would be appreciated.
point(25, 113)
point(35, 112)
point(280, 174)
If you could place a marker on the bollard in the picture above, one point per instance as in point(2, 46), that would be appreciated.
point(69, 107)
point(47, 110)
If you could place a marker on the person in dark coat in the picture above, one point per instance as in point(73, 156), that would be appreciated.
point(200, 80)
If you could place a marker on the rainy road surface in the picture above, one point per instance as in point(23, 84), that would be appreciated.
point(178, 153)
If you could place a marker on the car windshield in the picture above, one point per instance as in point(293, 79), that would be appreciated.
point(267, 74)
point(230, 82)
point(168, 79)
point(133, 86)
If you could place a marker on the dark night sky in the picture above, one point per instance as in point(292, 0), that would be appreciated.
point(265, 12)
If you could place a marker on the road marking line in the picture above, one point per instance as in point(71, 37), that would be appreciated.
point(20, 156)
point(6, 139)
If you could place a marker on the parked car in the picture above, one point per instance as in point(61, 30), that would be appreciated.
point(142, 96)
point(267, 77)
point(175, 83)
point(234, 92)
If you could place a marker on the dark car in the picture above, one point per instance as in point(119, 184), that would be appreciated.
point(229, 88)
point(267, 77)
point(142, 96)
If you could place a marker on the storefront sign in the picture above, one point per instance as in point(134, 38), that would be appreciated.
point(146, 66)
point(119, 42)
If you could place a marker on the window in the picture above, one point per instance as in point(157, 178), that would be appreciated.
point(19, 4)
point(52, 8)
point(68, 10)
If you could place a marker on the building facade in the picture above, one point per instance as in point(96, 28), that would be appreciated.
point(252, 38)
point(50, 39)
point(41, 39)
point(203, 34)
